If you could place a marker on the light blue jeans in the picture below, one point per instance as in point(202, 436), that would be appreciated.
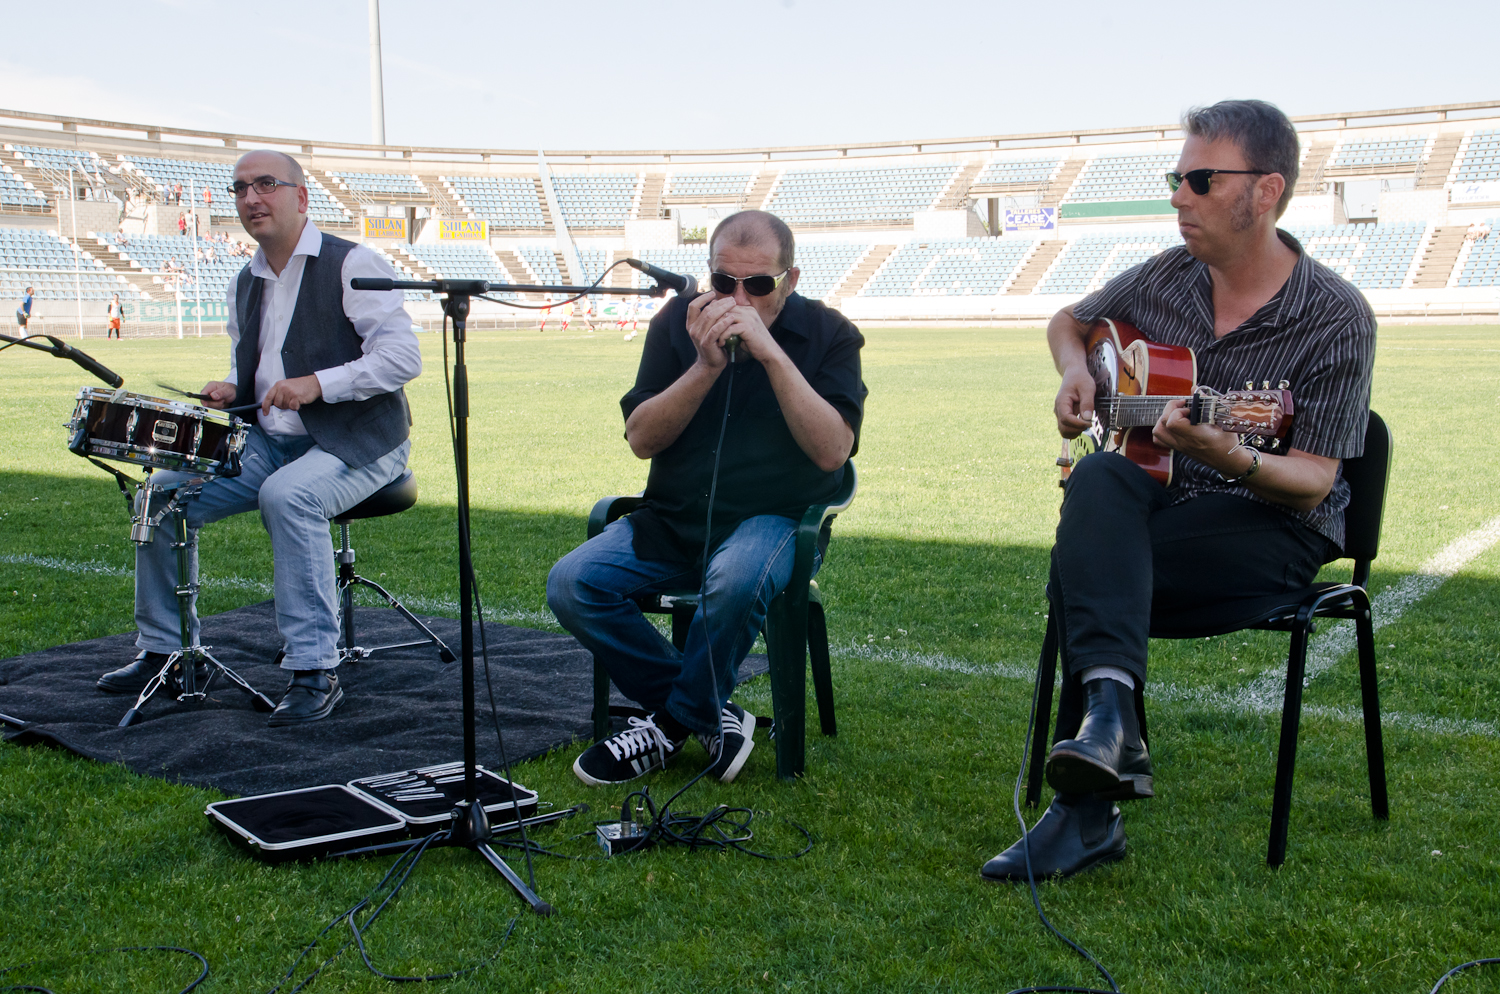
point(590, 591)
point(298, 488)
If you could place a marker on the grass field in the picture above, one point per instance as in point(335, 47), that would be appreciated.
point(934, 586)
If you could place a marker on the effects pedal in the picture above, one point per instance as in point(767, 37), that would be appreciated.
point(616, 837)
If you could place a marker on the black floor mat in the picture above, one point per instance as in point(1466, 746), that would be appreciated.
point(401, 710)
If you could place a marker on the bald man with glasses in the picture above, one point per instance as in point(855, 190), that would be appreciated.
point(326, 366)
point(756, 440)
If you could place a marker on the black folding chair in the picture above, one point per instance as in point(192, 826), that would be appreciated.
point(795, 627)
point(1297, 613)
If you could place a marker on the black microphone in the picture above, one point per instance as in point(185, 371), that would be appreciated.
point(685, 286)
point(371, 283)
point(66, 351)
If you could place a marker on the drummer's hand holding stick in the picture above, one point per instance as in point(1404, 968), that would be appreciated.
point(218, 394)
point(291, 394)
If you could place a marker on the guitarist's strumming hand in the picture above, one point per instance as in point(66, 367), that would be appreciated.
point(1074, 405)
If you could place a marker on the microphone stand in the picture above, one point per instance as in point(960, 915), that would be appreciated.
point(471, 825)
point(63, 350)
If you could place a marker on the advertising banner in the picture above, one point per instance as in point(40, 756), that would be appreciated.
point(385, 227)
point(1475, 193)
point(463, 231)
point(210, 311)
point(1030, 219)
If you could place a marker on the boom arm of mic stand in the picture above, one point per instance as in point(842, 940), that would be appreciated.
point(476, 287)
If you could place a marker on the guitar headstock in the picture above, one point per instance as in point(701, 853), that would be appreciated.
point(1262, 413)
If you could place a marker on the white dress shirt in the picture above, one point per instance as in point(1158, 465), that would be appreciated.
point(391, 354)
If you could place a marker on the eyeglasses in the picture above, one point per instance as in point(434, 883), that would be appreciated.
point(1199, 180)
point(264, 186)
point(755, 286)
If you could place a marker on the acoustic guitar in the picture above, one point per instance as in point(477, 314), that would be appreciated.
point(1134, 378)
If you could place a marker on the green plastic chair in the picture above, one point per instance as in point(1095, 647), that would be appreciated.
point(795, 628)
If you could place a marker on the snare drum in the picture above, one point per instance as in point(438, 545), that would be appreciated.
point(156, 433)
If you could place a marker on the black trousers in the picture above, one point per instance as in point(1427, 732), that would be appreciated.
point(1128, 561)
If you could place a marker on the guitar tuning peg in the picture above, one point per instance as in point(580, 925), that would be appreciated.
point(1265, 384)
point(1249, 384)
point(1284, 384)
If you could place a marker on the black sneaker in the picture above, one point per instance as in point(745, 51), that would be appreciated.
point(731, 745)
point(626, 755)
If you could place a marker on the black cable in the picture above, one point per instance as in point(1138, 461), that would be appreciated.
point(1036, 900)
point(556, 303)
point(202, 975)
point(1463, 966)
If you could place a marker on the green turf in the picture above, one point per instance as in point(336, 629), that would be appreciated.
point(934, 587)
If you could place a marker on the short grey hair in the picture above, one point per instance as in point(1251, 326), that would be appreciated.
point(1263, 134)
point(753, 228)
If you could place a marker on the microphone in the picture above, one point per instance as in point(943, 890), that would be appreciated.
point(63, 350)
point(371, 283)
point(685, 286)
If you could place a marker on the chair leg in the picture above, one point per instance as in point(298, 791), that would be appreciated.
point(1369, 694)
point(822, 671)
point(601, 702)
point(786, 649)
point(1046, 672)
point(1286, 751)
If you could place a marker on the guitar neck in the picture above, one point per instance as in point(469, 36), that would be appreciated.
point(1123, 411)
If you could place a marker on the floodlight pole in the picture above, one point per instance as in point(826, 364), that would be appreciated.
point(197, 278)
point(377, 82)
point(77, 278)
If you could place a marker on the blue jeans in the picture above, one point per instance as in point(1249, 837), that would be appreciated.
point(298, 488)
point(590, 591)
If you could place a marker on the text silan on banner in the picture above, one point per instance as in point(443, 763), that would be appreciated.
point(463, 230)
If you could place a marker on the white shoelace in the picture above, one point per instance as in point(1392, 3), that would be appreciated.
point(642, 736)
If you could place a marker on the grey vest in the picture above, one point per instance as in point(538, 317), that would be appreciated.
point(321, 336)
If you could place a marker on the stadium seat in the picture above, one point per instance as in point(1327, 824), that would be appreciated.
point(795, 627)
point(1295, 612)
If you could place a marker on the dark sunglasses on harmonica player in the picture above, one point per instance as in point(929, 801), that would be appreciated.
point(1199, 180)
point(755, 286)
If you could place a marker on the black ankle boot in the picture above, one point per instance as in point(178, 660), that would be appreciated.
point(1106, 756)
point(1077, 832)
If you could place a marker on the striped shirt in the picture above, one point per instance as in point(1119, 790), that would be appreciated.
point(1317, 333)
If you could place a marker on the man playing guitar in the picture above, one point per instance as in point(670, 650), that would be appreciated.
point(1236, 521)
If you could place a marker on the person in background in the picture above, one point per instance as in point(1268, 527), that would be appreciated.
point(116, 314)
point(23, 313)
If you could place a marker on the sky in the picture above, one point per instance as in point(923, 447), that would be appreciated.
point(659, 74)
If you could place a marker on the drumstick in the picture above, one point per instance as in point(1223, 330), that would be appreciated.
point(185, 393)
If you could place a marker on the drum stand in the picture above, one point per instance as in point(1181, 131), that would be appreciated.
point(180, 672)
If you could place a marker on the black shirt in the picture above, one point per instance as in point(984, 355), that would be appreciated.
point(762, 470)
point(1317, 333)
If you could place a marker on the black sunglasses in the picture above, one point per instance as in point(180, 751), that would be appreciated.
point(1199, 180)
point(755, 286)
point(264, 186)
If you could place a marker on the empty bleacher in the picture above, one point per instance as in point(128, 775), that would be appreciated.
point(503, 201)
point(40, 259)
point(460, 261)
point(823, 266)
point(1092, 260)
point(543, 263)
point(164, 174)
point(1371, 256)
point(1018, 173)
point(710, 186)
point(1482, 267)
point(1481, 158)
point(60, 159)
point(1396, 154)
point(688, 260)
point(961, 266)
point(17, 194)
point(858, 196)
point(394, 186)
point(1124, 177)
point(596, 200)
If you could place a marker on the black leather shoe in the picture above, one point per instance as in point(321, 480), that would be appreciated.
point(312, 696)
point(1106, 756)
point(134, 675)
point(1077, 832)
